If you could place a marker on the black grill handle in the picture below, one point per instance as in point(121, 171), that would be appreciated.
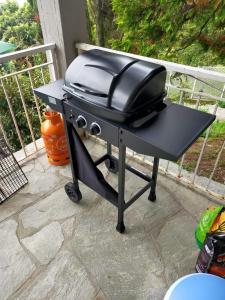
point(102, 68)
point(114, 78)
point(84, 89)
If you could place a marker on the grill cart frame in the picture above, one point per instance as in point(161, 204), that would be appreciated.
point(115, 165)
point(164, 137)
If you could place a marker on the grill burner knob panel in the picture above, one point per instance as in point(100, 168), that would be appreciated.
point(95, 129)
point(81, 122)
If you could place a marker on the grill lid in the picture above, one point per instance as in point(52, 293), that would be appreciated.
point(94, 71)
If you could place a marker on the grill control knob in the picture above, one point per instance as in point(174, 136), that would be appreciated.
point(95, 129)
point(81, 122)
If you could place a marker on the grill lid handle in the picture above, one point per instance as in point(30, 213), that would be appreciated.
point(114, 78)
point(84, 89)
point(102, 68)
point(114, 75)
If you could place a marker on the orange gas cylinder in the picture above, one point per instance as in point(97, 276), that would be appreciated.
point(53, 134)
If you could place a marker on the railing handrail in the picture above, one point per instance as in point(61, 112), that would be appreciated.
point(171, 66)
point(26, 70)
point(26, 52)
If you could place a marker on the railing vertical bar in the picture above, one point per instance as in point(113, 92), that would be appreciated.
point(26, 112)
point(219, 154)
point(198, 102)
point(3, 132)
point(13, 117)
point(205, 141)
point(167, 166)
point(180, 102)
point(35, 97)
point(42, 76)
point(181, 166)
point(215, 165)
point(201, 154)
point(183, 157)
point(167, 87)
point(193, 89)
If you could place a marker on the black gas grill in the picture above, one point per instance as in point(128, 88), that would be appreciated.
point(121, 100)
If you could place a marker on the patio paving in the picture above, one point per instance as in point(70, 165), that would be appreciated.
point(52, 248)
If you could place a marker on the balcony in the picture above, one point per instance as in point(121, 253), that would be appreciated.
point(72, 251)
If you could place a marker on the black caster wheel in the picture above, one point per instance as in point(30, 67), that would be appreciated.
point(73, 193)
point(112, 165)
point(152, 197)
point(120, 227)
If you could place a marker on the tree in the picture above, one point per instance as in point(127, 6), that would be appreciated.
point(190, 32)
point(33, 4)
point(101, 21)
point(19, 26)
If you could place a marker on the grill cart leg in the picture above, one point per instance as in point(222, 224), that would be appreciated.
point(121, 188)
point(111, 162)
point(72, 188)
point(109, 149)
point(152, 195)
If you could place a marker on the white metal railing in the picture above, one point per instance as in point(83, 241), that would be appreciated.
point(202, 85)
point(50, 66)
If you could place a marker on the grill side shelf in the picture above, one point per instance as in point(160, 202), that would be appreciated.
point(170, 133)
point(52, 94)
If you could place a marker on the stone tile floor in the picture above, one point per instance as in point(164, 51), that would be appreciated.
point(52, 248)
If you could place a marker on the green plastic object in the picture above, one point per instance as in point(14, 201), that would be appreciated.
point(206, 223)
point(6, 47)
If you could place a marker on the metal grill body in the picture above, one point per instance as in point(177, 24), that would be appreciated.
point(12, 177)
point(162, 138)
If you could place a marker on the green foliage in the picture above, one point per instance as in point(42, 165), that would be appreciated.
point(222, 104)
point(33, 4)
point(100, 21)
point(217, 129)
point(20, 25)
point(188, 32)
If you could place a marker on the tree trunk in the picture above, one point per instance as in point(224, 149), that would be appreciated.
point(100, 23)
